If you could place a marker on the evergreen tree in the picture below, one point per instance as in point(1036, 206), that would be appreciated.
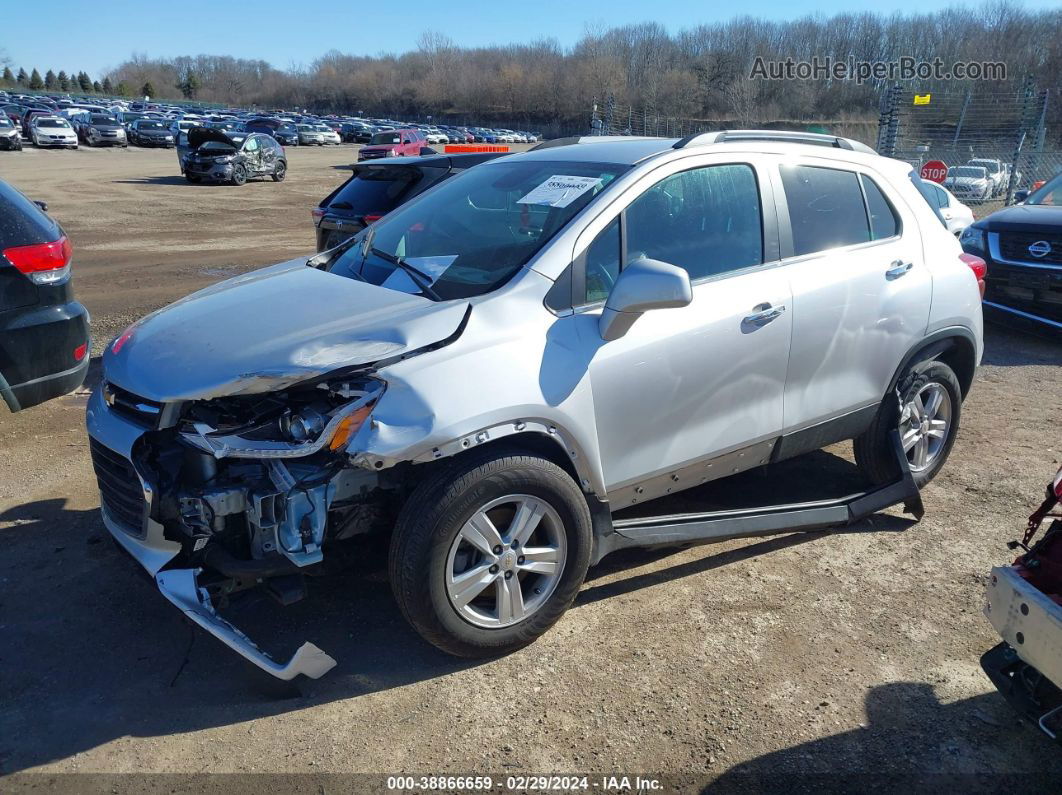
point(97, 87)
point(107, 87)
point(84, 81)
point(9, 76)
point(189, 85)
point(64, 81)
point(147, 89)
point(122, 90)
point(35, 81)
point(22, 78)
point(49, 80)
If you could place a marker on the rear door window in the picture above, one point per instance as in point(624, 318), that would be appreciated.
point(825, 208)
point(376, 191)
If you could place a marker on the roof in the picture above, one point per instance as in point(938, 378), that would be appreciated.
point(629, 150)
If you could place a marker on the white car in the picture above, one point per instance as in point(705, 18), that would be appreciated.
point(52, 131)
point(329, 135)
point(956, 215)
point(971, 183)
point(435, 136)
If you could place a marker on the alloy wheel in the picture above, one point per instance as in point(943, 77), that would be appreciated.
point(925, 423)
point(506, 561)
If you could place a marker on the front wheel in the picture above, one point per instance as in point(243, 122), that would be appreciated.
point(239, 174)
point(489, 552)
point(930, 408)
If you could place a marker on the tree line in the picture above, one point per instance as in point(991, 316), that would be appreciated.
point(701, 72)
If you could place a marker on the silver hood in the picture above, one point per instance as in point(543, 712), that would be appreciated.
point(270, 329)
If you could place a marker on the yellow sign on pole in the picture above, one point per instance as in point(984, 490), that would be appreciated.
point(922, 99)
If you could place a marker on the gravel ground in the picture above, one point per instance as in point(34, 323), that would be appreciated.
point(812, 661)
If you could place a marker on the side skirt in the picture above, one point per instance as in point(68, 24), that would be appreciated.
point(715, 526)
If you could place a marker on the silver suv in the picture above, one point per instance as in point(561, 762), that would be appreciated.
point(492, 370)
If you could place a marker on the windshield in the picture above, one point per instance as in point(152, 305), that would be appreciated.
point(989, 165)
point(1049, 195)
point(52, 123)
point(5, 121)
point(386, 138)
point(306, 128)
point(472, 233)
point(97, 119)
point(151, 125)
point(969, 171)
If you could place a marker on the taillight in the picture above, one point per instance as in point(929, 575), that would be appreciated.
point(371, 218)
point(318, 213)
point(80, 351)
point(44, 263)
point(979, 268)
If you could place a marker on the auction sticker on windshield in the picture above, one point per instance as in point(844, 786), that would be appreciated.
point(560, 190)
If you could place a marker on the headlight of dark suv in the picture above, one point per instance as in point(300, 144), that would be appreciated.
point(973, 241)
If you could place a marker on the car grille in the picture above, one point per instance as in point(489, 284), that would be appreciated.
point(370, 155)
point(140, 410)
point(120, 489)
point(1015, 246)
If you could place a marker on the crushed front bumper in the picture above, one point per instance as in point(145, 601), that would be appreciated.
point(152, 550)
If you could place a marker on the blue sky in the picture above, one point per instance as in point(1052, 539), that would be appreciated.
point(75, 35)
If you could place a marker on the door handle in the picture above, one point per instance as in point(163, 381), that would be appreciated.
point(898, 268)
point(762, 314)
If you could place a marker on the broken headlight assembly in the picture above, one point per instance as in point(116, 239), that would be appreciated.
point(289, 424)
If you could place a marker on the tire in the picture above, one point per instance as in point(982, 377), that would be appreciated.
point(280, 171)
point(927, 380)
point(193, 178)
point(430, 543)
point(239, 174)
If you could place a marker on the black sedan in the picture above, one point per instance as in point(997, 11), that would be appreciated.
point(44, 332)
point(151, 132)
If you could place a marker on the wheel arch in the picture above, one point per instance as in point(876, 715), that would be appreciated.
point(955, 347)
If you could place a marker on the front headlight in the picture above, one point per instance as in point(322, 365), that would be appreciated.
point(324, 417)
point(973, 241)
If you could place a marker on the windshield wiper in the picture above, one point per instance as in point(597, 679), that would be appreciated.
point(422, 280)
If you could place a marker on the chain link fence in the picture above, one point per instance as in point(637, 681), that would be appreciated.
point(1001, 128)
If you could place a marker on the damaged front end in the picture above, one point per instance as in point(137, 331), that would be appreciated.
point(217, 496)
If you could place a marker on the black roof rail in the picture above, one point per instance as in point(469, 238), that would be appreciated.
point(556, 142)
point(782, 136)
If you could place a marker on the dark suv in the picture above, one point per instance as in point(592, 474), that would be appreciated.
point(377, 188)
point(1023, 247)
point(44, 332)
point(212, 155)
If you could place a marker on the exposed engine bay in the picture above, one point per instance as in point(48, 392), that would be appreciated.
point(254, 487)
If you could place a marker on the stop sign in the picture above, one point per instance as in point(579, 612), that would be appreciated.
point(935, 170)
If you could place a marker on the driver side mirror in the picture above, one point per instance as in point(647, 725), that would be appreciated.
point(1020, 196)
point(643, 285)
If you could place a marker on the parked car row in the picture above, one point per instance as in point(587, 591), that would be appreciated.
point(980, 179)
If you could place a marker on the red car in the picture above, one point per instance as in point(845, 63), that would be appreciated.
point(393, 143)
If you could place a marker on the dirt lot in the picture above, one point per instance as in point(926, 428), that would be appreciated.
point(828, 660)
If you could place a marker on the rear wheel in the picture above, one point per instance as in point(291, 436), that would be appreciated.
point(930, 408)
point(239, 174)
point(280, 171)
point(495, 558)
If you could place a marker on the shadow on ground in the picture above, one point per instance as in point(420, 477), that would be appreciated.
point(92, 652)
point(976, 745)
